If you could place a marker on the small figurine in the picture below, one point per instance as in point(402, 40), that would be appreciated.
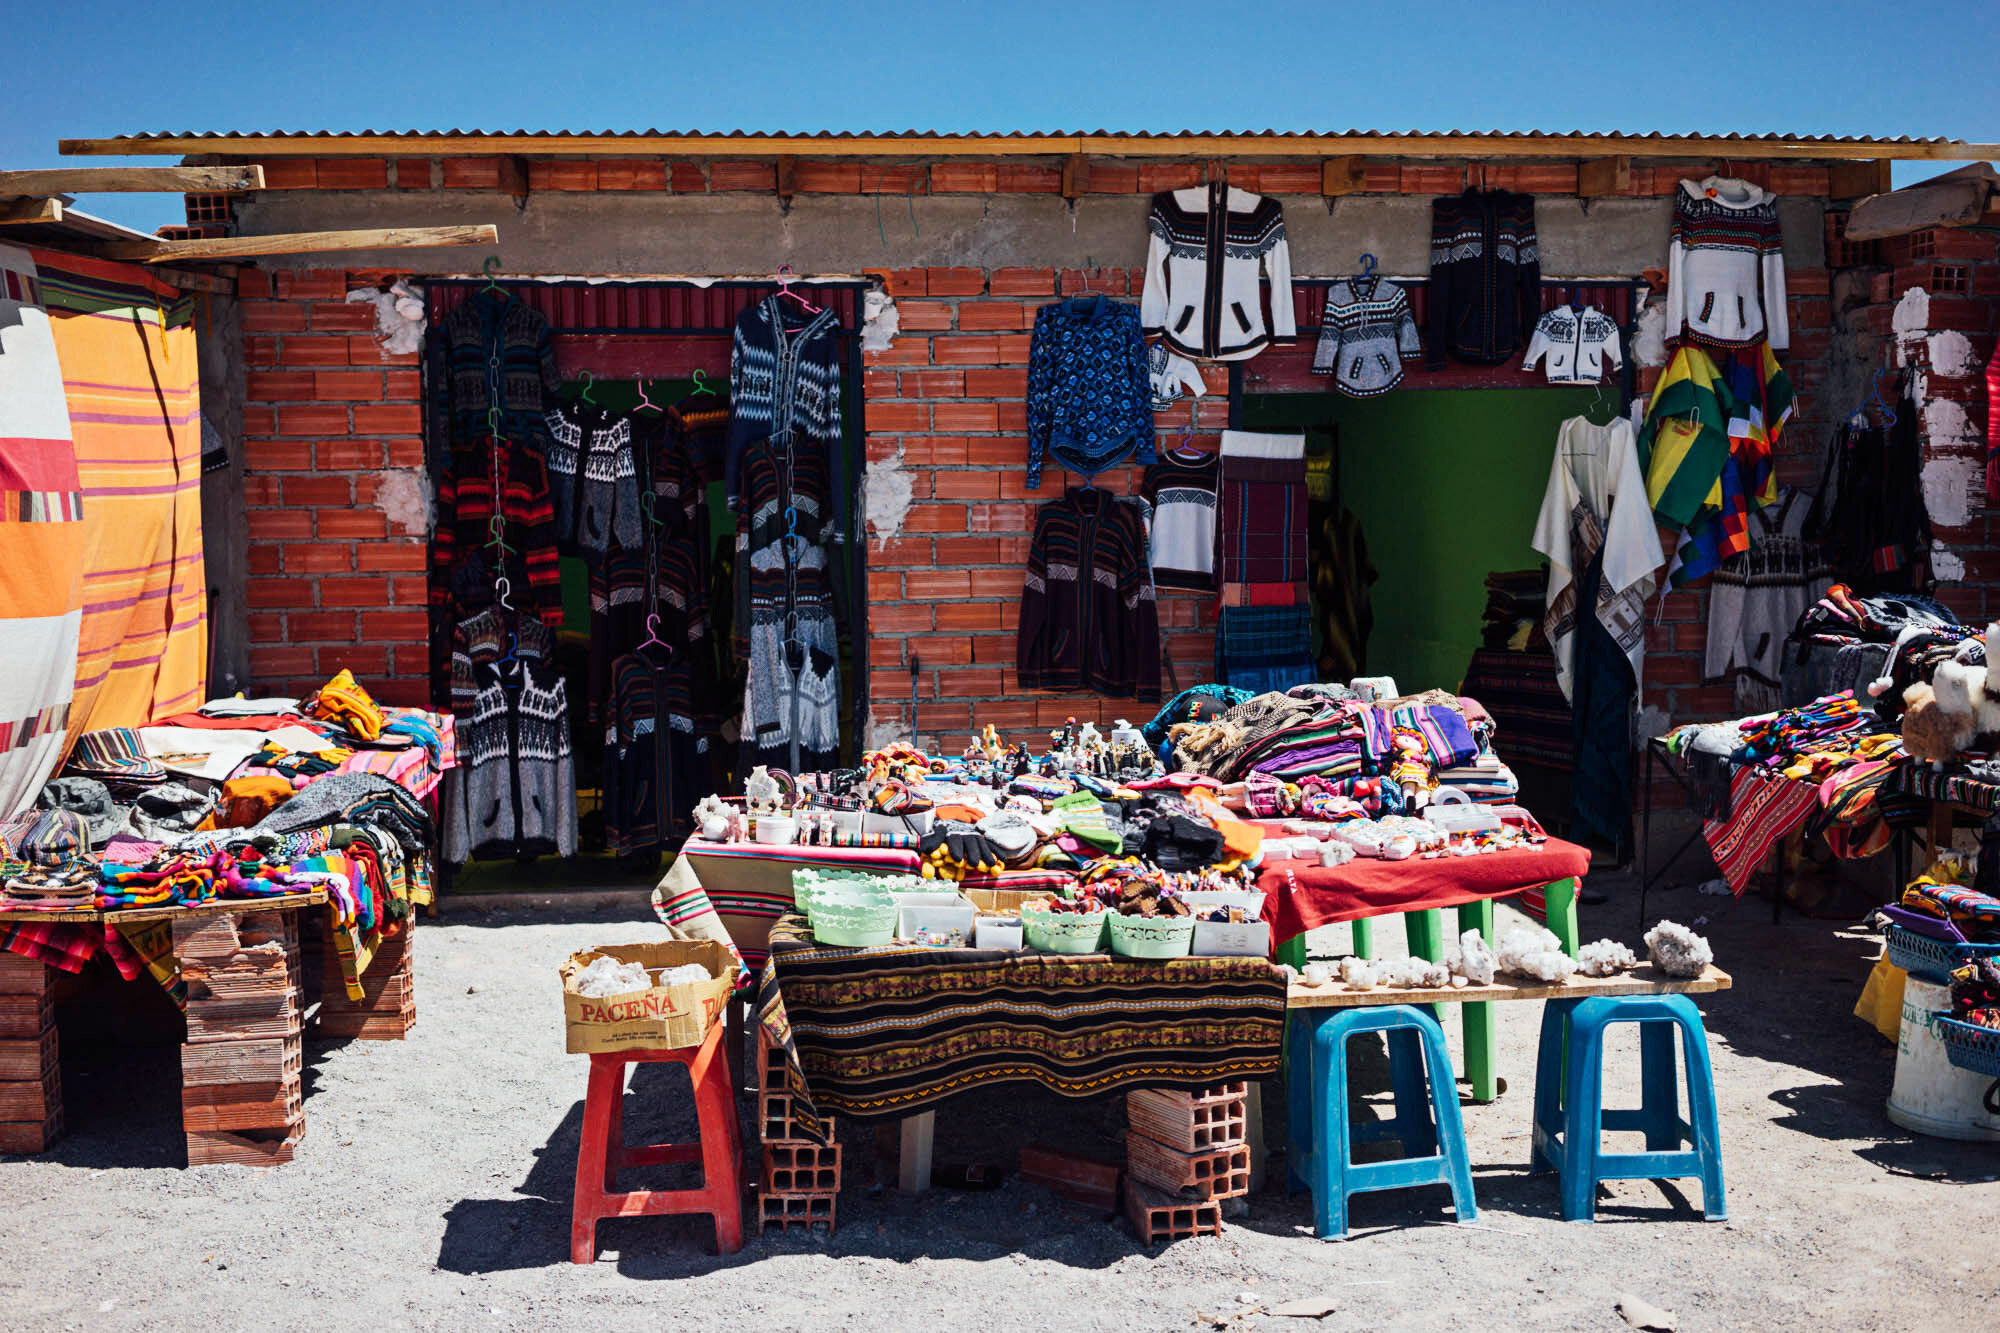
point(760, 791)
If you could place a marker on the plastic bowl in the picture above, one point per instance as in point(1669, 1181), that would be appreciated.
point(1063, 932)
point(1152, 936)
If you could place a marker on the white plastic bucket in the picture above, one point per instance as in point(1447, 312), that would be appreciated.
point(1931, 1095)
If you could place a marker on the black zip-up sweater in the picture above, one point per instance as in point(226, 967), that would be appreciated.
point(1088, 621)
point(1486, 277)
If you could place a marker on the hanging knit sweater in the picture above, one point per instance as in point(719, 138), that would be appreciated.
point(1088, 619)
point(1486, 277)
point(1089, 390)
point(593, 482)
point(1365, 336)
point(1181, 487)
point(1577, 343)
point(1726, 266)
point(1209, 246)
point(514, 790)
point(491, 350)
point(784, 375)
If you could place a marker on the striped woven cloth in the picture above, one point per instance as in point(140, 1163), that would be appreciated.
point(891, 1030)
point(41, 540)
point(1763, 809)
point(127, 347)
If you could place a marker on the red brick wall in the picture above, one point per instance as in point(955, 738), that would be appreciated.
point(333, 585)
point(327, 411)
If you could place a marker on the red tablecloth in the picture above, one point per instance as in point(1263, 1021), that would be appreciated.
point(1369, 887)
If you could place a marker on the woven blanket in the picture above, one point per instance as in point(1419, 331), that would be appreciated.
point(1763, 808)
point(891, 1030)
point(127, 346)
point(41, 541)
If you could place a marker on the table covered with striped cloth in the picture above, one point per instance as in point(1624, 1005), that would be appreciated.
point(889, 1031)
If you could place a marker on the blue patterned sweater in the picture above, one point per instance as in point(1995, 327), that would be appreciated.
point(1089, 394)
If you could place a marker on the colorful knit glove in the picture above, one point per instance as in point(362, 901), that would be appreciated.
point(954, 849)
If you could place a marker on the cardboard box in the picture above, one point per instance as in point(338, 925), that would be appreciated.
point(658, 1017)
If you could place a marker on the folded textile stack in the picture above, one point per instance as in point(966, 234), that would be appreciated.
point(1515, 600)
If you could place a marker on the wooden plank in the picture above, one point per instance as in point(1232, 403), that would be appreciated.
point(21, 212)
point(301, 242)
point(1601, 176)
point(913, 1152)
point(132, 180)
point(1857, 180)
point(1347, 174)
point(1047, 145)
point(1075, 176)
point(222, 282)
point(1644, 980)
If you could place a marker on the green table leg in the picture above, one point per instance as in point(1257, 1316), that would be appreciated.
point(1479, 1019)
point(1561, 897)
point(1424, 930)
point(1293, 952)
point(1364, 937)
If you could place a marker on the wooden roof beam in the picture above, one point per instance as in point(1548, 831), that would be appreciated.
point(19, 212)
point(132, 180)
point(300, 243)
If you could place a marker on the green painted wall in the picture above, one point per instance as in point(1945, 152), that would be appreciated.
point(1447, 484)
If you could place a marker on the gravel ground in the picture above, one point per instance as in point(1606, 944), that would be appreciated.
point(433, 1190)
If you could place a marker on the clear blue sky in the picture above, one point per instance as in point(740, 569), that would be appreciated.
point(1890, 67)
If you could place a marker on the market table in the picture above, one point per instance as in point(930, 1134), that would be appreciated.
point(233, 966)
point(1645, 979)
point(894, 1029)
point(1301, 895)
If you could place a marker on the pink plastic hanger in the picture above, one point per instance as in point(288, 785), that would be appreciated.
point(644, 401)
point(785, 289)
point(652, 634)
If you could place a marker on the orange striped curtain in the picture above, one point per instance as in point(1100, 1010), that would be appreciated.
point(127, 348)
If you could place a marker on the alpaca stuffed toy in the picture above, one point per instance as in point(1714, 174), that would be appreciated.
point(1931, 733)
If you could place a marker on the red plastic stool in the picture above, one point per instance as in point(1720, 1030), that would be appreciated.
point(603, 1150)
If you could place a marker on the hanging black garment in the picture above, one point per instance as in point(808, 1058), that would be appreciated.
point(1869, 516)
point(1600, 793)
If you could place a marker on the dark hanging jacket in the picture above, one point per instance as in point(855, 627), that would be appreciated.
point(1486, 277)
point(1088, 621)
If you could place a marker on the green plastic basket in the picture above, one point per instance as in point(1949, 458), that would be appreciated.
point(1063, 932)
point(853, 917)
point(1152, 936)
point(812, 881)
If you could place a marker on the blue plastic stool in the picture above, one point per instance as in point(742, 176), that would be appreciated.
point(1569, 1103)
point(1426, 1122)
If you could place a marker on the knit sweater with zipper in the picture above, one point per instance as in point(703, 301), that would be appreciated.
point(1088, 619)
point(593, 480)
point(1210, 245)
point(1486, 277)
point(784, 376)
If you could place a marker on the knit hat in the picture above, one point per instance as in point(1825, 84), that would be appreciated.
point(115, 752)
point(1084, 818)
point(86, 798)
point(1012, 836)
point(168, 810)
point(58, 838)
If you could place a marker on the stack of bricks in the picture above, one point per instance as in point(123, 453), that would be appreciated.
point(240, 1093)
point(387, 1009)
point(31, 1114)
point(799, 1178)
point(1186, 1153)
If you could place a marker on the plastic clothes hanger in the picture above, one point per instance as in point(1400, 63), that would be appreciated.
point(1367, 269)
point(700, 379)
point(1875, 400)
point(644, 401)
point(652, 634)
point(489, 268)
point(584, 397)
point(785, 289)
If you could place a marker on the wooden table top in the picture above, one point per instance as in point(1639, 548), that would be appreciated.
point(214, 907)
point(1643, 980)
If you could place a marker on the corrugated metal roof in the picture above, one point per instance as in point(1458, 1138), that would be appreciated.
point(928, 135)
point(1002, 143)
